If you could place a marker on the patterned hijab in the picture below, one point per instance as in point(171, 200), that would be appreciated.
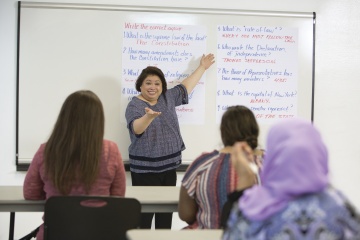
point(296, 163)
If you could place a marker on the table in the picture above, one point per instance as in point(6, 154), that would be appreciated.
point(166, 234)
point(152, 199)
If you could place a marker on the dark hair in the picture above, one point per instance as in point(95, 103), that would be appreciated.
point(239, 124)
point(150, 70)
point(73, 151)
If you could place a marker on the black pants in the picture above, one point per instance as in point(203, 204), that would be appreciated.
point(167, 178)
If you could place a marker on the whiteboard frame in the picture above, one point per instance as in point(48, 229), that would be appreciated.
point(152, 9)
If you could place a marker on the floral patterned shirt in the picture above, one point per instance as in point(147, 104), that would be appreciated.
point(323, 216)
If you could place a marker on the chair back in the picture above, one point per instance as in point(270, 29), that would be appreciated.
point(90, 217)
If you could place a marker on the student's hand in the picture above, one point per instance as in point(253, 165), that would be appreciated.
point(207, 61)
point(151, 113)
point(242, 157)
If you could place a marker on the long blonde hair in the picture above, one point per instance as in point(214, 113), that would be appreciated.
point(73, 151)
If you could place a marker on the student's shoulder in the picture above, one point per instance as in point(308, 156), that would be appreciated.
point(109, 144)
point(206, 155)
point(110, 147)
point(205, 158)
point(39, 155)
point(111, 152)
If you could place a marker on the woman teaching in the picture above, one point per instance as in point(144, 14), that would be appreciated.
point(156, 142)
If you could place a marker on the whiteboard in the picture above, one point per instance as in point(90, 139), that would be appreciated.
point(65, 47)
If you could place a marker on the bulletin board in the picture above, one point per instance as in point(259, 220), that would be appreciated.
point(264, 60)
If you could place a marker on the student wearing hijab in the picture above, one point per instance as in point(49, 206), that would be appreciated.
point(295, 200)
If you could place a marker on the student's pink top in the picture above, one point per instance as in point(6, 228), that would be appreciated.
point(111, 179)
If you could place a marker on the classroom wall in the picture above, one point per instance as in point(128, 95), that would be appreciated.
point(337, 76)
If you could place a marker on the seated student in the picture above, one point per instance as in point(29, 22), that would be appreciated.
point(76, 160)
point(211, 177)
point(295, 200)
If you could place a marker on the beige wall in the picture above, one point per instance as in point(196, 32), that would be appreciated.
point(337, 86)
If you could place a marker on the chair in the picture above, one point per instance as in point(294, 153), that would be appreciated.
point(90, 217)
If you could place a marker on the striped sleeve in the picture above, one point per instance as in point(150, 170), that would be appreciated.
point(194, 171)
